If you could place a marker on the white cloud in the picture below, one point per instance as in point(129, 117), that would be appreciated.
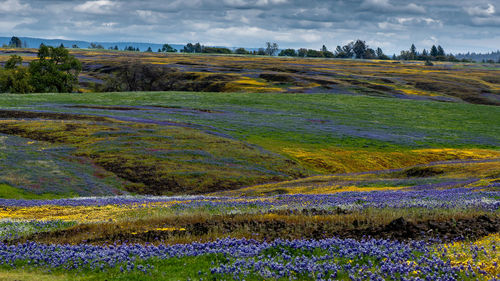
point(270, 2)
point(418, 20)
point(481, 11)
point(10, 6)
point(492, 21)
point(386, 6)
point(97, 7)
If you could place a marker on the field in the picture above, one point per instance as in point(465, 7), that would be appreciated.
point(275, 169)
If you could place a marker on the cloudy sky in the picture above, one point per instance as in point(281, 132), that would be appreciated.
point(458, 25)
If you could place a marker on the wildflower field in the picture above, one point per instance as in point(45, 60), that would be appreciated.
point(284, 182)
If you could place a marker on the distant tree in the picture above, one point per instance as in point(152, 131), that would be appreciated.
point(302, 52)
point(116, 48)
point(324, 49)
point(74, 46)
point(198, 48)
point(434, 51)
point(261, 52)
point(440, 51)
point(380, 54)
point(159, 50)
point(413, 52)
point(168, 49)
point(328, 54)
point(54, 71)
point(425, 53)
point(149, 50)
point(339, 52)
point(314, 54)
point(288, 53)
point(95, 46)
point(216, 50)
point(347, 50)
point(15, 42)
point(189, 48)
point(61, 46)
point(271, 48)
point(405, 55)
point(359, 49)
point(241, 51)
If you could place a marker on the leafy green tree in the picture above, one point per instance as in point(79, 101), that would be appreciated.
point(345, 51)
point(241, 51)
point(314, 54)
point(15, 42)
point(288, 53)
point(15, 78)
point(380, 54)
point(302, 52)
point(54, 71)
point(189, 48)
point(198, 48)
point(13, 61)
point(168, 49)
point(271, 48)
point(359, 49)
point(328, 54)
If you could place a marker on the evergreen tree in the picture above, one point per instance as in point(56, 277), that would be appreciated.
point(413, 52)
point(440, 51)
point(434, 51)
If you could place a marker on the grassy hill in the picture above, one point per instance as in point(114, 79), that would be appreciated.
point(55, 145)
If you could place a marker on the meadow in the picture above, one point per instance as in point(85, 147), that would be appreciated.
point(289, 169)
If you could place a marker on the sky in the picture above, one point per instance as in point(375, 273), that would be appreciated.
point(393, 25)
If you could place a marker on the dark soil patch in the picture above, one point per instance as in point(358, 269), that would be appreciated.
point(15, 114)
point(270, 229)
point(188, 109)
point(104, 107)
point(422, 172)
point(277, 77)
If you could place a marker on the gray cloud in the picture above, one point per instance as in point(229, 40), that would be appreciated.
point(458, 25)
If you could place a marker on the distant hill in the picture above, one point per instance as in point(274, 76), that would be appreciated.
point(495, 56)
point(35, 43)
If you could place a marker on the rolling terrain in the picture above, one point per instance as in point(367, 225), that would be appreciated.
point(262, 168)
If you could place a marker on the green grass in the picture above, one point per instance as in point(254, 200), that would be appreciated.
point(376, 133)
point(439, 124)
point(9, 192)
